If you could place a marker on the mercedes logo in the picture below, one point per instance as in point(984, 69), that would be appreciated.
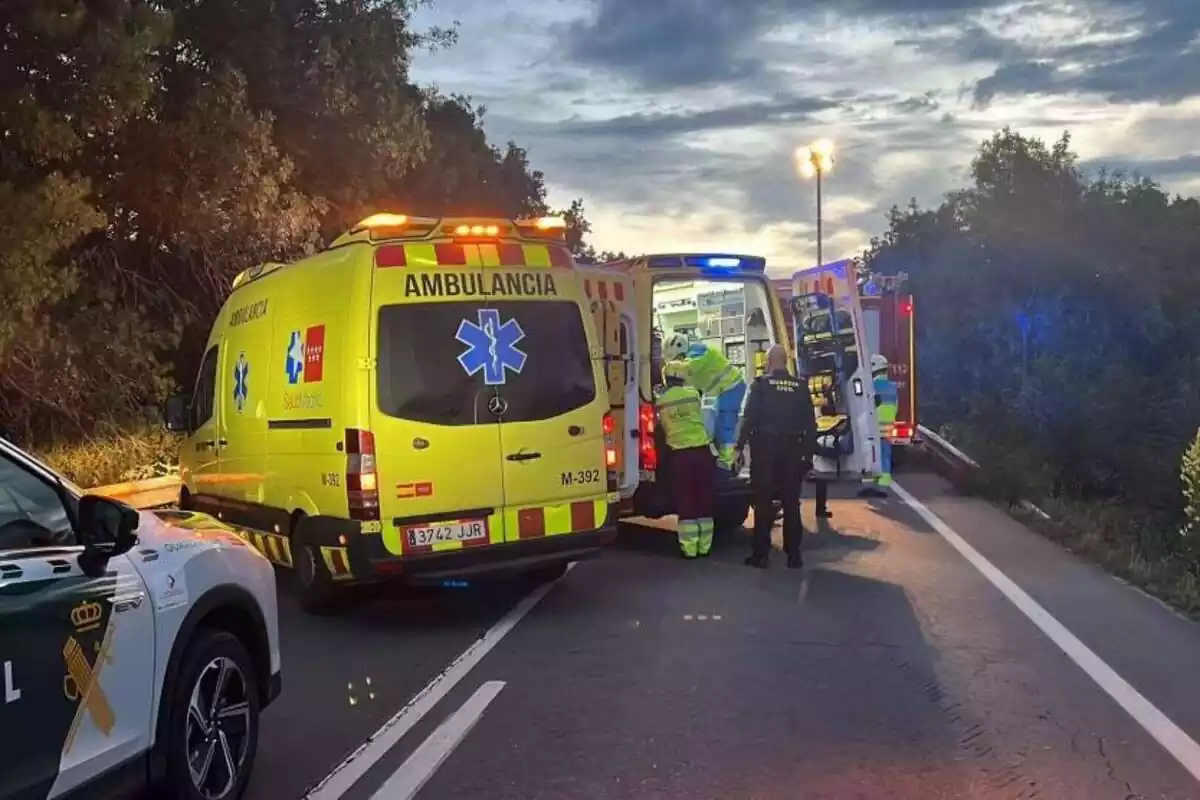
point(497, 405)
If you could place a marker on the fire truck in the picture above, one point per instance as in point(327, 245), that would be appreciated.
point(888, 313)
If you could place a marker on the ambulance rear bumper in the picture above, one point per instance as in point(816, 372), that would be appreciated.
point(371, 562)
point(508, 559)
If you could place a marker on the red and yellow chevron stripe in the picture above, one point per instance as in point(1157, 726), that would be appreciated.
point(420, 255)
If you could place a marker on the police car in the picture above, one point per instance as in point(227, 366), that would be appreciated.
point(136, 648)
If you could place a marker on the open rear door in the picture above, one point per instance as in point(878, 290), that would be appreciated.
point(610, 297)
point(832, 350)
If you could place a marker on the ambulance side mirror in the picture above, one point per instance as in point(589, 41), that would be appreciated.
point(106, 530)
point(175, 415)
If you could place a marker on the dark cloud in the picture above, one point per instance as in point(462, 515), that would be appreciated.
point(669, 44)
point(1156, 60)
point(665, 124)
point(962, 44)
point(1157, 168)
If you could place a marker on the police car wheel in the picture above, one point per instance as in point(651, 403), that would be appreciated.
point(318, 594)
point(214, 720)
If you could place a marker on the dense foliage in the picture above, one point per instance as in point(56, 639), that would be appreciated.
point(1058, 327)
point(149, 151)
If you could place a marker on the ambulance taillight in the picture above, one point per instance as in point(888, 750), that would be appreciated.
point(610, 443)
point(647, 448)
point(362, 481)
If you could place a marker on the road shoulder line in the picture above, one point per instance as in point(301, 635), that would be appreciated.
point(1170, 736)
point(359, 762)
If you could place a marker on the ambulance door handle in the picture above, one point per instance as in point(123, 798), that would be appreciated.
point(575, 430)
point(523, 456)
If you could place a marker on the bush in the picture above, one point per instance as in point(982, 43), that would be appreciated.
point(115, 458)
point(1189, 472)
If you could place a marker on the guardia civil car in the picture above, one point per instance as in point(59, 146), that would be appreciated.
point(136, 649)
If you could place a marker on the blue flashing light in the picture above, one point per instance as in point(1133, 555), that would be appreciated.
point(872, 289)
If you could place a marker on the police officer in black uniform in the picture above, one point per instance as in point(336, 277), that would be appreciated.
point(782, 430)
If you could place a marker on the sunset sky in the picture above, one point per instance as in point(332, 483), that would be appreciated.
point(675, 120)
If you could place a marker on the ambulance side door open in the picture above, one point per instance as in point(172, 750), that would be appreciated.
point(433, 416)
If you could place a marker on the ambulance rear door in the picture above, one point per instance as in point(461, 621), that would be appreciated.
point(553, 400)
point(836, 355)
point(436, 431)
point(610, 298)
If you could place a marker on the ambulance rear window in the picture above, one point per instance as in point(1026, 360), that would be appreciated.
point(441, 363)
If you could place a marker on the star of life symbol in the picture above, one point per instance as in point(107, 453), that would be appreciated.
point(241, 375)
point(295, 357)
point(491, 347)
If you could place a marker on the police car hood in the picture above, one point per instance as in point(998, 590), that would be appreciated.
point(173, 531)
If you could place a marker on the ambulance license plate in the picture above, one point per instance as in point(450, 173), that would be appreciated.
point(425, 535)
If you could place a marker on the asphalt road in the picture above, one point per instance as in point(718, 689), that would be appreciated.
point(889, 667)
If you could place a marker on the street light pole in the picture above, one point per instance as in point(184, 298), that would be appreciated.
point(820, 238)
point(813, 162)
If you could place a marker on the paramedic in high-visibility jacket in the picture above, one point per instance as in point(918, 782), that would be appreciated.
point(713, 376)
point(682, 420)
point(887, 402)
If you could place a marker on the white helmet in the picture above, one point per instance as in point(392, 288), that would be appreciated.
point(878, 364)
point(675, 346)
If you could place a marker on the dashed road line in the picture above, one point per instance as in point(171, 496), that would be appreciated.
point(1173, 739)
point(377, 745)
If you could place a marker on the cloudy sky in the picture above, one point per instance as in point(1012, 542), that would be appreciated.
point(675, 120)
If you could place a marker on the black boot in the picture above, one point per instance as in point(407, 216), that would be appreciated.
point(757, 561)
point(795, 560)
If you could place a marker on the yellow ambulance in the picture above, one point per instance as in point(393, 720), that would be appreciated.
point(723, 300)
point(417, 402)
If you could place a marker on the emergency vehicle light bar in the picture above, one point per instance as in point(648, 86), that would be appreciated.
point(709, 262)
point(387, 225)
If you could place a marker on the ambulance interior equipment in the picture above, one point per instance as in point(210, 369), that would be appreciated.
point(719, 299)
point(831, 350)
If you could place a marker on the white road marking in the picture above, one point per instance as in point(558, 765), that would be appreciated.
point(366, 755)
point(1172, 738)
point(426, 759)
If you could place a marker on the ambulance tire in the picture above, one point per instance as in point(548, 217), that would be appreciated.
point(730, 513)
point(319, 595)
point(211, 649)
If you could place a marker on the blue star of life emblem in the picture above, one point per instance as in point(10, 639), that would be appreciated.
point(295, 357)
point(491, 347)
point(241, 387)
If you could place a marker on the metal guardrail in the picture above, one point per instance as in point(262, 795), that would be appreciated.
point(959, 464)
point(151, 493)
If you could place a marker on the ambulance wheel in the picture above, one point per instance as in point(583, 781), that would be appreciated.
point(319, 595)
point(730, 513)
point(212, 734)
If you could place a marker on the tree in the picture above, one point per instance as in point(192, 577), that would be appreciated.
point(149, 152)
point(1053, 312)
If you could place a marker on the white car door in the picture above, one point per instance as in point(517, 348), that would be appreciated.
point(77, 652)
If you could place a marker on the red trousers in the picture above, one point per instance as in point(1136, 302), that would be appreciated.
point(692, 481)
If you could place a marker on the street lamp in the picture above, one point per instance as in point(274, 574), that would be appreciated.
point(814, 161)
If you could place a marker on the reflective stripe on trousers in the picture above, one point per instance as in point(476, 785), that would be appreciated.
point(695, 536)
